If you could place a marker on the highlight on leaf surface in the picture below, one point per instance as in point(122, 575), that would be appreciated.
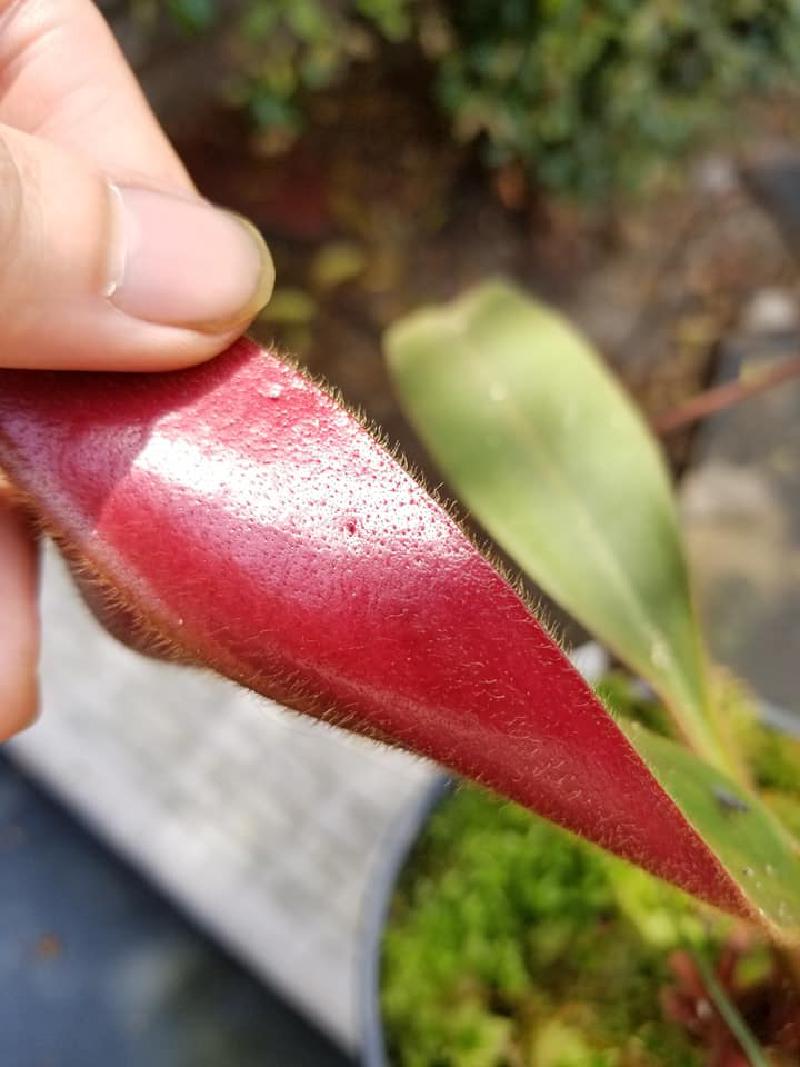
point(554, 460)
point(243, 517)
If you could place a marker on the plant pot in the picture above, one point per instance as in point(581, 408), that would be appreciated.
point(398, 849)
point(399, 846)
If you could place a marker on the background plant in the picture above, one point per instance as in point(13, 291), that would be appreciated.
point(588, 94)
point(488, 942)
point(551, 455)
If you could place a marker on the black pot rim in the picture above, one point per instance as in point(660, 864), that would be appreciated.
point(399, 844)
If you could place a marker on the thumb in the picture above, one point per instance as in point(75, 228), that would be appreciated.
point(95, 275)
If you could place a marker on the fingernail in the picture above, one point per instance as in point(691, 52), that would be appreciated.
point(182, 262)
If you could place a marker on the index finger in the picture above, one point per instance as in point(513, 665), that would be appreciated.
point(19, 622)
point(64, 78)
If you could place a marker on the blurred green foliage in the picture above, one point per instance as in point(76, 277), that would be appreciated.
point(590, 94)
point(773, 757)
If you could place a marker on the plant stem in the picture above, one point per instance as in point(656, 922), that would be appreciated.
point(727, 1009)
point(721, 397)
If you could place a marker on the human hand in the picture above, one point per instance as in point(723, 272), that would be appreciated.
point(109, 259)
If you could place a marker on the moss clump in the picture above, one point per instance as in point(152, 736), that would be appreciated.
point(512, 944)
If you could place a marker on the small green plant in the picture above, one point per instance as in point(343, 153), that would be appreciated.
point(588, 95)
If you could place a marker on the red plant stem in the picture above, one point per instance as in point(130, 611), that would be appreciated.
point(722, 397)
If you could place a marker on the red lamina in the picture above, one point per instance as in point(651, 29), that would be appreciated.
point(247, 522)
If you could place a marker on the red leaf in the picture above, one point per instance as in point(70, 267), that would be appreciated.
point(238, 512)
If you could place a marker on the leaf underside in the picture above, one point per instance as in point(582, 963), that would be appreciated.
point(244, 520)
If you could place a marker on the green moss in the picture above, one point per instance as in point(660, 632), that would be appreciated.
point(775, 761)
point(772, 757)
point(787, 809)
point(512, 942)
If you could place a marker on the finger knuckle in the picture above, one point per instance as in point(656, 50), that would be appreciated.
point(11, 204)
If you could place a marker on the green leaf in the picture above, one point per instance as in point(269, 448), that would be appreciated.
point(748, 840)
point(554, 460)
point(194, 16)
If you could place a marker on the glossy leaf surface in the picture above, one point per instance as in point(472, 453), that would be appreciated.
point(554, 460)
point(236, 516)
